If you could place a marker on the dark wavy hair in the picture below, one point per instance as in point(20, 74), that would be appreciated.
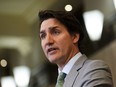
point(67, 19)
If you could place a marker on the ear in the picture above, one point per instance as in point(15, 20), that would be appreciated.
point(76, 38)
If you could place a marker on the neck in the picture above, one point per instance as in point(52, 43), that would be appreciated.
point(64, 62)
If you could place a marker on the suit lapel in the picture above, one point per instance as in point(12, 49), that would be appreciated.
point(73, 74)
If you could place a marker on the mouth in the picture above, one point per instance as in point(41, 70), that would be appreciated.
point(52, 50)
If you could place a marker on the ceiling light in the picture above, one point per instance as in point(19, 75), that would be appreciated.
point(94, 24)
point(114, 3)
point(68, 7)
point(21, 73)
point(8, 81)
point(3, 63)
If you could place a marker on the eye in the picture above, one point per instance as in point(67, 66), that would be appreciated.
point(42, 35)
point(55, 32)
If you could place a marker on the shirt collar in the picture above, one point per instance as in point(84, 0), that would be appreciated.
point(70, 64)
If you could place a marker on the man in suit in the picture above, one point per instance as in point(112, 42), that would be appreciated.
point(61, 35)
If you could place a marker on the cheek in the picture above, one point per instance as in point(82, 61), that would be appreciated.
point(43, 47)
point(64, 44)
point(64, 41)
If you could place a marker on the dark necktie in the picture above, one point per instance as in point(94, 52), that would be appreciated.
point(60, 79)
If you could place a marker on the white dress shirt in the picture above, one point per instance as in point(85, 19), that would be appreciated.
point(70, 64)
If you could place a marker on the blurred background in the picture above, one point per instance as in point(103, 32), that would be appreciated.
point(22, 62)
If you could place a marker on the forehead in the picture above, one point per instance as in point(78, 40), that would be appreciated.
point(49, 23)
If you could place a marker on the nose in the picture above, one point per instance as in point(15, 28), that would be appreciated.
point(49, 40)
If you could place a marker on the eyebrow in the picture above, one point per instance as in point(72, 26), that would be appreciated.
point(49, 28)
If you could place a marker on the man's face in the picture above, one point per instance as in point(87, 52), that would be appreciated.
point(57, 44)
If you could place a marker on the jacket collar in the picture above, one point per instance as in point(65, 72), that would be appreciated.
point(74, 71)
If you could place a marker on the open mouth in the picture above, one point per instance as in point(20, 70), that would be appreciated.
point(51, 50)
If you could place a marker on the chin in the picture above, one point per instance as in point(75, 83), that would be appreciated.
point(53, 60)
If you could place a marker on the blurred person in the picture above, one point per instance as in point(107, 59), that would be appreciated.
point(61, 35)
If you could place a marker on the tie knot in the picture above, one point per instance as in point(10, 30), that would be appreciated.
point(60, 79)
point(61, 76)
